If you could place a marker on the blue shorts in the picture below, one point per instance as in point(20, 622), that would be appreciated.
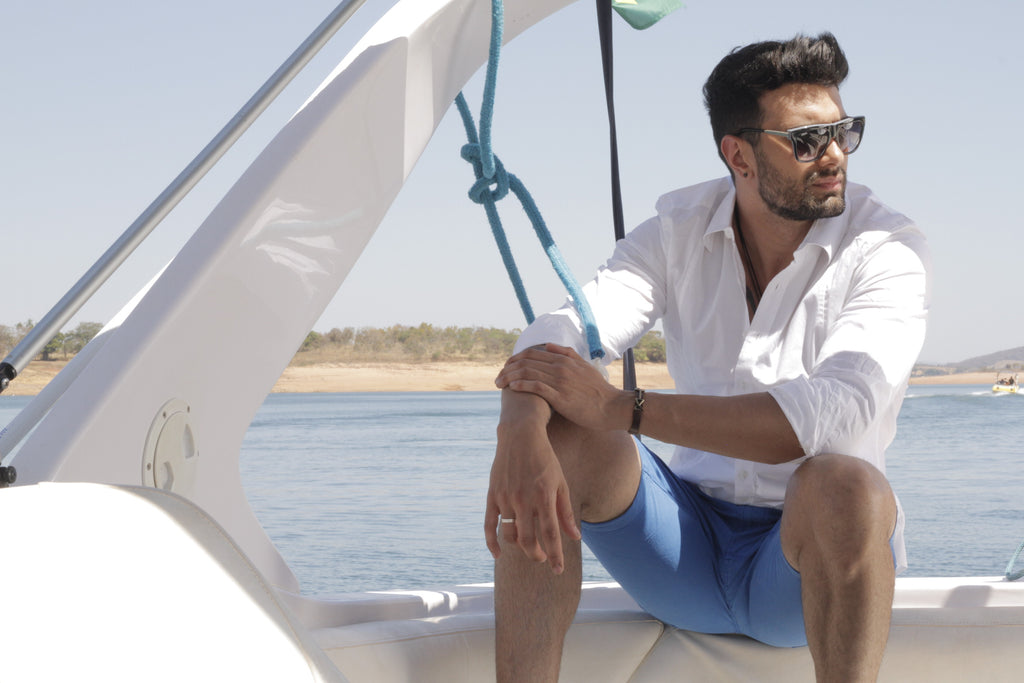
point(699, 563)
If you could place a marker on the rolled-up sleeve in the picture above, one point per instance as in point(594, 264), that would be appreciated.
point(861, 371)
point(627, 296)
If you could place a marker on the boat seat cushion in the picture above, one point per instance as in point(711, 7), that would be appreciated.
point(605, 646)
point(948, 630)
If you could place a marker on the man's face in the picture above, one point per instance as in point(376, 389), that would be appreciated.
point(792, 189)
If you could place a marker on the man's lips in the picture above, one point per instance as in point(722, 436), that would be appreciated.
point(828, 183)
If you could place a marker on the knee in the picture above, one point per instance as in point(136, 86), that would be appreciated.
point(841, 484)
point(842, 500)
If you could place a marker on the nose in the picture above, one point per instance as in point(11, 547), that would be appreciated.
point(834, 154)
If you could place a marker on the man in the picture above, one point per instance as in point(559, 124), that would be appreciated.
point(793, 306)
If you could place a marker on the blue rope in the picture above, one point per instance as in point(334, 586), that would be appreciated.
point(1014, 575)
point(490, 85)
point(493, 183)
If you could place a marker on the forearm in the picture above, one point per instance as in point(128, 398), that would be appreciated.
point(748, 427)
point(539, 381)
point(522, 410)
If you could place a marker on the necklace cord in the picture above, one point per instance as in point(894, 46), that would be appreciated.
point(753, 297)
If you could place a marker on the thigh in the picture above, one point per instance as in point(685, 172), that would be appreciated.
point(773, 612)
point(662, 551)
point(602, 469)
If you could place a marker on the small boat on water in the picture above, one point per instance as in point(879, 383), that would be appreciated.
point(130, 551)
point(1007, 385)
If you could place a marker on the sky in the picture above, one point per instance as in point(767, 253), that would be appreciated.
point(104, 103)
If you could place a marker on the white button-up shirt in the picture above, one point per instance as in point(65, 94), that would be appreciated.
point(833, 339)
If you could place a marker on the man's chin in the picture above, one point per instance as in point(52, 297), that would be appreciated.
point(830, 207)
point(833, 206)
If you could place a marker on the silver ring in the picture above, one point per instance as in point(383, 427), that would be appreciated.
point(508, 520)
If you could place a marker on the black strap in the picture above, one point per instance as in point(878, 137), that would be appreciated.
point(604, 28)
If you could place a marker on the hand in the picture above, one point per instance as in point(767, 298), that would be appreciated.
point(573, 388)
point(527, 485)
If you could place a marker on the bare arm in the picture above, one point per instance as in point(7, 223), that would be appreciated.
point(527, 484)
point(749, 427)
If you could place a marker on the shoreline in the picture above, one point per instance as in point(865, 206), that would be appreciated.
point(441, 376)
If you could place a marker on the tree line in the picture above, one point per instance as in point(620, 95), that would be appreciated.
point(61, 347)
point(426, 342)
point(400, 343)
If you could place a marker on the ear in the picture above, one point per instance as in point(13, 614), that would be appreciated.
point(738, 155)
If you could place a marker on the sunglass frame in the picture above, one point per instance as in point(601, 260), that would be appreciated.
point(833, 131)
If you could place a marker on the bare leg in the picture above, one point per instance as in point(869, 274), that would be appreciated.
point(533, 611)
point(534, 608)
point(838, 517)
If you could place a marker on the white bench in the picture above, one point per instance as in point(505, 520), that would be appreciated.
point(952, 630)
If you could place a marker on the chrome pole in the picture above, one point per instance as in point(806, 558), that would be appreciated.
point(40, 335)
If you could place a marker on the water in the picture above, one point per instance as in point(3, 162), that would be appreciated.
point(958, 466)
point(378, 491)
point(397, 482)
point(401, 480)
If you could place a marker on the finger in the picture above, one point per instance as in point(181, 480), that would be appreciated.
point(551, 540)
point(507, 528)
point(491, 516)
point(531, 353)
point(526, 537)
point(538, 360)
point(536, 387)
point(525, 372)
point(511, 369)
point(566, 517)
point(502, 380)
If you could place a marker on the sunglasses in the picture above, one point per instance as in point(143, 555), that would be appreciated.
point(810, 142)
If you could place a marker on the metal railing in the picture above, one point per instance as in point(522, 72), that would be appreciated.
point(40, 335)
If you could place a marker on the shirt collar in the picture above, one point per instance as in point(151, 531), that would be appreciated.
point(827, 234)
point(721, 219)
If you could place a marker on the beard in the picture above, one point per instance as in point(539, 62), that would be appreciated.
point(795, 199)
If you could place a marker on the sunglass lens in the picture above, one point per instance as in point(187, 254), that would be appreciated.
point(850, 135)
point(809, 143)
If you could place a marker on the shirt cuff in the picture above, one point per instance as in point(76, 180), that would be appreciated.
point(793, 397)
point(555, 328)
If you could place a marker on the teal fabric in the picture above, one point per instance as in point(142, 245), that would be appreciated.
point(641, 14)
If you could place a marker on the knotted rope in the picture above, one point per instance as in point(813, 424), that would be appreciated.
point(493, 184)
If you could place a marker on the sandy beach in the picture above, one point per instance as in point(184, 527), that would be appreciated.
point(462, 376)
point(426, 377)
point(986, 378)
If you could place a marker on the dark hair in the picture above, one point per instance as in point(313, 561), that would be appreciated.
point(733, 90)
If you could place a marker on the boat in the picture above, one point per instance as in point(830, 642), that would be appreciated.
point(130, 550)
point(1006, 385)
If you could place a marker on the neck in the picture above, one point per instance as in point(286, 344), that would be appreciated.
point(770, 240)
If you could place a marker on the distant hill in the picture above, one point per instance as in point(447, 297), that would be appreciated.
point(1009, 359)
